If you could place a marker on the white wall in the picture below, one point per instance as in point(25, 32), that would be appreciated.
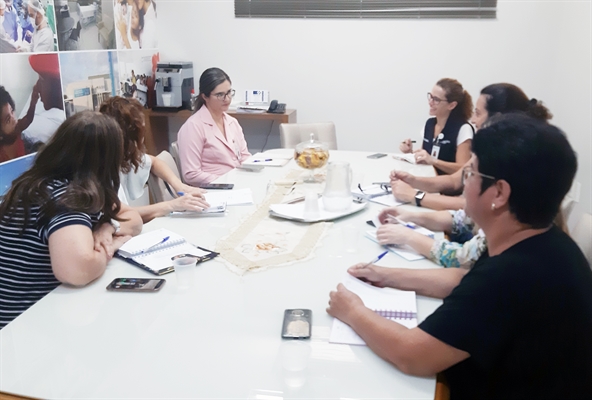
point(370, 76)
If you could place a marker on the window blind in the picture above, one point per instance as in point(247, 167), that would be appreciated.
point(365, 9)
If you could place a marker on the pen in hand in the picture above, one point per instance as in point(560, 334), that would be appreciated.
point(147, 249)
point(375, 260)
point(398, 220)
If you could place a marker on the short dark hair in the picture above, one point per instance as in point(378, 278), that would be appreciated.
point(502, 98)
point(6, 98)
point(536, 160)
point(208, 81)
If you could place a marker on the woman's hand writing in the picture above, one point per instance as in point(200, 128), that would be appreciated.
point(189, 202)
point(343, 303)
point(393, 234)
point(371, 274)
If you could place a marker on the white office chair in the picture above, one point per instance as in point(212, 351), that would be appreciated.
point(157, 187)
point(292, 134)
point(582, 235)
point(175, 153)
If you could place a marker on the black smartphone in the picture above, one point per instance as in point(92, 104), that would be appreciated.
point(377, 155)
point(297, 324)
point(217, 186)
point(136, 284)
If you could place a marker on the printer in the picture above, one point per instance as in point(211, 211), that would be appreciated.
point(174, 84)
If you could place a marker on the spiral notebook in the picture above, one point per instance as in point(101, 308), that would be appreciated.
point(154, 251)
point(397, 305)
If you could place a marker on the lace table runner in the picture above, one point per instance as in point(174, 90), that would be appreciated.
point(261, 241)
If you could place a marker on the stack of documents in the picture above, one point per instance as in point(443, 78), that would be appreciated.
point(215, 210)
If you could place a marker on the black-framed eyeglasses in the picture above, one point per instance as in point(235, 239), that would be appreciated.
point(468, 172)
point(221, 96)
point(435, 99)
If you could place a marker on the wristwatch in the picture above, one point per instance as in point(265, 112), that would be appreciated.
point(419, 197)
point(116, 225)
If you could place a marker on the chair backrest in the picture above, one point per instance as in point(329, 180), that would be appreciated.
point(175, 153)
point(582, 234)
point(292, 134)
point(156, 185)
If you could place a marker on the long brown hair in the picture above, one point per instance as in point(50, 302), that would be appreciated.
point(129, 114)
point(86, 150)
point(455, 92)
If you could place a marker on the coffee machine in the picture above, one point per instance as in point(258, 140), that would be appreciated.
point(174, 85)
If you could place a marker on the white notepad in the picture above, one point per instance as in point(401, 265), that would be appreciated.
point(235, 197)
point(150, 251)
point(396, 305)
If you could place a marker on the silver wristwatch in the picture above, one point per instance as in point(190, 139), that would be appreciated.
point(419, 197)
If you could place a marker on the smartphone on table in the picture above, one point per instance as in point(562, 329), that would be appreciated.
point(226, 186)
point(377, 155)
point(297, 324)
point(136, 284)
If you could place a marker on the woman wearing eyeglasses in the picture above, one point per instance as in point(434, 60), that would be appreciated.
point(447, 135)
point(518, 324)
point(494, 99)
point(211, 142)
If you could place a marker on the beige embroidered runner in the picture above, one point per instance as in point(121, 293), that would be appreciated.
point(261, 241)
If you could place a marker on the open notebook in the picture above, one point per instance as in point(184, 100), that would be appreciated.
point(154, 251)
point(397, 305)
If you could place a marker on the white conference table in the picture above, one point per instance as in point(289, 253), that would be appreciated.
point(222, 338)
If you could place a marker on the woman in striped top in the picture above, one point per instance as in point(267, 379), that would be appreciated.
point(59, 221)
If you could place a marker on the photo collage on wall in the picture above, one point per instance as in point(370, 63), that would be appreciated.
point(59, 57)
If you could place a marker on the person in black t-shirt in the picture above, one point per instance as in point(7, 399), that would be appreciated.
point(519, 324)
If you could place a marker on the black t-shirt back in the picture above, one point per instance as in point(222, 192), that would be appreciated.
point(525, 318)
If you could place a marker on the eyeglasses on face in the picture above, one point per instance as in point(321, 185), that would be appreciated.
point(468, 172)
point(435, 100)
point(222, 96)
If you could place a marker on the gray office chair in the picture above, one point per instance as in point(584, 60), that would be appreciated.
point(175, 153)
point(292, 134)
point(157, 187)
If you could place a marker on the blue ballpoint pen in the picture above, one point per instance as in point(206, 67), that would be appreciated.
point(377, 259)
point(156, 244)
point(409, 225)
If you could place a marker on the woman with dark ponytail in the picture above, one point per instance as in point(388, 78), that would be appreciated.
point(211, 142)
point(447, 135)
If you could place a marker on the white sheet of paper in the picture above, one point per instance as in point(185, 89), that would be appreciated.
point(236, 197)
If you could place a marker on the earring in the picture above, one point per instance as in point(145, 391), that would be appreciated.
point(492, 206)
